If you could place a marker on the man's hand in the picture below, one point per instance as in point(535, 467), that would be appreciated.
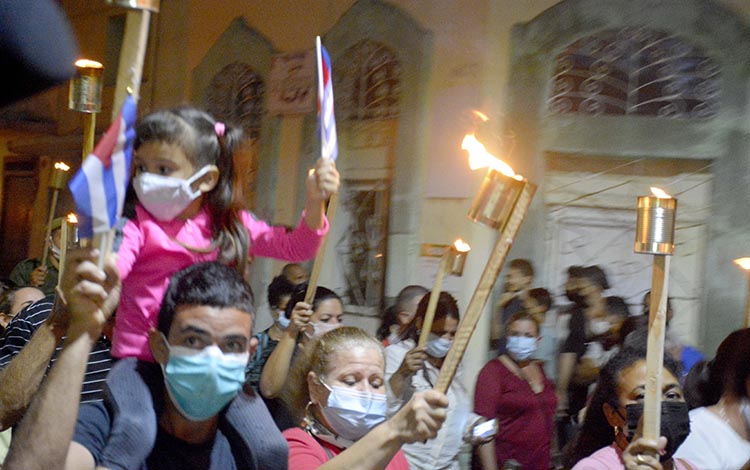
point(91, 294)
point(300, 320)
point(38, 275)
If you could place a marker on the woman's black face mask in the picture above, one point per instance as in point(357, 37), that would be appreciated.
point(675, 424)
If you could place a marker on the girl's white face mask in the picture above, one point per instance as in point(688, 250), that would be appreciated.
point(166, 197)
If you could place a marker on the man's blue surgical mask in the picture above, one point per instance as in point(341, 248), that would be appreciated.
point(202, 381)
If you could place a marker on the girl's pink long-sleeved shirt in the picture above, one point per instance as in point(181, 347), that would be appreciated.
point(152, 251)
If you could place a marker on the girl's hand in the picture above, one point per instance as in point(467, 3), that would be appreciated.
point(38, 275)
point(300, 317)
point(323, 181)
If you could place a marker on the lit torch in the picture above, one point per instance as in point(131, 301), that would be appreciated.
point(655, 235)
point(452, 262)
point(502, 203)
point(85, 96)
point(744, 263)
point(57, 182)
point(72, 222)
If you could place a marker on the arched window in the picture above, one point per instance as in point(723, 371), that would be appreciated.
point(236, 95)
point(371, 82)
point(635, 71)
point(368, 91)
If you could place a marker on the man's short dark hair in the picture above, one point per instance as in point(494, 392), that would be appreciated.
point(542, 297)
point(522, 265)
point(207, 284)
point(278, 288)
point(596, 275)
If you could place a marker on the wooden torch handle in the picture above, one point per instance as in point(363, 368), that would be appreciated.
point(312, 284)
point(429, 315)
point(132, 54)
point(657, 323)
point(483, 289)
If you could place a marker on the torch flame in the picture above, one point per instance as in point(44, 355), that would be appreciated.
point(483, 117)
point(71, 218)
point(660, 193)
point(479, 157)
point(461, 246)
point(61, 166)
point(88, 64)
point(744, 263)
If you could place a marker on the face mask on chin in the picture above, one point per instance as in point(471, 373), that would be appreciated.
point(166, 197)
point(675, 424)
point(320, 328)
point(394, 338)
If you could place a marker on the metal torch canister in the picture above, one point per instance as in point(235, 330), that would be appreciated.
point(150, 5)
point(457, 261)
point(85, 92)
point(496, 199)
point(654, 231)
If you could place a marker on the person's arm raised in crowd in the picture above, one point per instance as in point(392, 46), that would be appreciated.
point(419, 420)
point(20, 379)
point(321, 184)
point(276, 369)
point(44, 435)
point(400, 381)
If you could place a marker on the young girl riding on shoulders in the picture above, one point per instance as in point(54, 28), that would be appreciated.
point(187, 213)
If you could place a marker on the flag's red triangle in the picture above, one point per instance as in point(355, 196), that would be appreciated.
point(106, 146)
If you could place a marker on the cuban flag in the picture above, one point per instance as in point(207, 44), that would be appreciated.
point(329, 147)
point(99, 186)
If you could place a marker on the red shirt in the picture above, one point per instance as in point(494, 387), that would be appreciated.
point(525, 419)
point(307, 453)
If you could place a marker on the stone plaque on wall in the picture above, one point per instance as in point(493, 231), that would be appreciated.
point(292, 83)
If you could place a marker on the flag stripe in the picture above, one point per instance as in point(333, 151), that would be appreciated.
point(326, 117)
point(99, 186)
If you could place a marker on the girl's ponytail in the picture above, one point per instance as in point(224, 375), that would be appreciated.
point(224, 203)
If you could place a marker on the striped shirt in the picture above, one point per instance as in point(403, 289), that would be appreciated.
point(24, 325)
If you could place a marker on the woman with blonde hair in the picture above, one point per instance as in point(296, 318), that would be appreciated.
point(337, 390)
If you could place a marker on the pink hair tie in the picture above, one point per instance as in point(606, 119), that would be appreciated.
point(220, 128)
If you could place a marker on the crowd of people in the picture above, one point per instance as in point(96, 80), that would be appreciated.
point(144, 358)
point(150, 360)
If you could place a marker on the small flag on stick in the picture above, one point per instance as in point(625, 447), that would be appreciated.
point(329, 147)
point(99, 186)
